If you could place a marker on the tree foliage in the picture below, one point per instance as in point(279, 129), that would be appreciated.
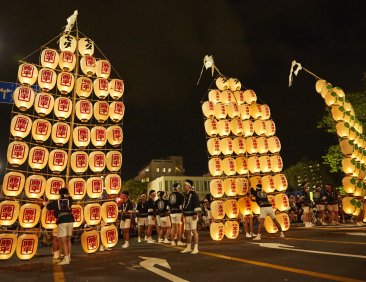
point(135, 188)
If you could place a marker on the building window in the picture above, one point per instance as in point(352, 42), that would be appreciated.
point(166, 185)
point(163, 169)
point(169, 169)
point(157, 169)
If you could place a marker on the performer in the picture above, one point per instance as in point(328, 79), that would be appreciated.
point(165, 224)
point(175, 206)
point(306, 204)
point(151, 216)
point(126, 212)
point(142, 214)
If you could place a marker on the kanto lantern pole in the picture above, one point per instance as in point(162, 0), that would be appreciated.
point(295, 68)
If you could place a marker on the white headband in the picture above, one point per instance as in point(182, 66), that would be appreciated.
point(185, 182)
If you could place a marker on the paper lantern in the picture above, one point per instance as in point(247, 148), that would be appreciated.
point(29, 215)
point(269, 225)
point(231, 208)
point(234, 84)
point(9, 211)
point(274, 144)
point(84, 87)
point(268, 184)
point(222, 83)
point(84, 110)
point(241, 165)
point(248, 128)
point(236, 127)
point(103, 68)
point(94, 187)
point(342, 129)
point(251, 145)
point(79, 162)
point(348, 165)
point(284, 220)
point(101, 87)
point(214, 96)
point(47, 79)
point(65, 82)
point(67, 61)
point(60, 133)
point(263, 145)
point(85, 46)
point(57, 160)
point(109, 236)
point(255, 180)
point(48, 219)
point(88, 65)
point(38, 157)
point(43, 104)
point(348, 107)
point(97, 161)
point(20, 126)
point(357, 212)
point(116, 88)
point(109, 212)
point(23, 97)
point(208, 109)
point(41, 130)
point(282, 202)
point(53, 186)
point(319, 85)
point(77, 188)
point(67, 43)
point(337, 113)
point(223, 127)
point(352, 134)
point(231, 229)
point(244, 110)
point(254, 207)
point(280, 182)
point(13, 183)
point(63, 108)
point(101, 111)
point(230, 187)
point(227, 97)
point(49, 58)
point(78, 213)
point(211, 127)
point(359, 192)
point(114, 161)
point(266, 112)
point(244, 205)
point(35, 186)
point(226, 146)
point(113, 184)
point(242, 186)
point(348, 204)
point(116, 111)
point(347, 147)
point(229, 166)
point(250, 96)
point(213, 146)
point(349, 117)
point(8, 243)
point(325, 89)
point(217, 231)
point(265, 164)
point(99, 136)
point(93, 214)
point(260, 127)
point(254, 164)
point(17, 153)
point(331, 98)
point(255, 110)
point(217, 188)
point(239, 146)
point(27, 245)
point(239, 97)
point(339, 91)
point(217, 209)
point(272, 200)
point(270, 128)
point(349, 184)
point(276, 163)
point(27, 74)
point(90, 241)
point(233, 110)
point(81, 136)
point(220, 111)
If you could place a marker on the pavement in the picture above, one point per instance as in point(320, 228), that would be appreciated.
point(336, 253)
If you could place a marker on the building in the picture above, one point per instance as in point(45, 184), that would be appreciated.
point(171, 166)
point(311, 174)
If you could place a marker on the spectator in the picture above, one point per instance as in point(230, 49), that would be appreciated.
point(332, 204)
point(319, 199)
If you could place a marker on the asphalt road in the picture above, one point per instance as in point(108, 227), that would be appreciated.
point(315, 254)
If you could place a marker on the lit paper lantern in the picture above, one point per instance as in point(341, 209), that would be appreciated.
point(214, 96)
point(217, 231)
point(84, 110)
point(116, 88)
point(227, 97)
point(101, 111)
point(265, 164)
point(254, 164)
point(255, 180)
point(13, 183)
point(239, 146)
point(17, 153)
point(99, 136)
point(272, 200)
point(242, 186)
point(348, 204)
point(231, 228)
point(319, 85)
point(263, 145)
point(79, 162)
point(208, 109)
point(47, 79)
point(230, 187)
point(41, 130)
point(116, 111)
point(43, 104)
point(85, 46)
point(103, 68)
point(53, 186)
point(222, 83)
point(337, 113)
point(239, 97)
point(234, 84)
point(250, 96)
point(60, 133)
point(93, 214)
point(220, 111)
point(67, 61)
point(357, 212)
point(229, 166)
point(67, 43)
point(251, 145)
point(48, 219)
point(213, 146)
point(35, 186)
point(274, 144)
point(276, 163)
point(38, 157)
point(280, 182)
point(8, 243)
point(114, 161)
point(269, 225)
point(115, 135)
point(211, 127)
point(109, 212)
point(348, 165)
point(101, 87)
point(260, 127)
point(23, 97)
point(282, 202)
point(244, 205)
point(20, 126)
point(237, 127)
point(244, 110)
point(63, 108)
point(77, 188)
point(331, 98)
point(217, 188)
point(29, 215)
point(65, 82)
point(342, 129)
point(90, 241)
point(268, 184)
point(217, 209)
point(223, 127)
point(49, 58)
point(325, 89)
point(233, 110)
point(57, 160)
point(270, 128)
point(113, 184)
point(226, 146)
point(109, 236)
point(255, 110)
point(266, 112)
point(81, 136)
point(9, 211)
point(88, 65)
point(231, 208)
point(359, 192)
point(339, 91)
point(78, 213)
point(97, 161)
point(347, 147)
point(349, 184)
point(84, 87)
point(27, 74)
point(284, 220)
point(241, 165)
point(94, 187)
point(248, 128)
point(27, 245)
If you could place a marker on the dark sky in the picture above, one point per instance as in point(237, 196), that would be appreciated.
point(158, 46)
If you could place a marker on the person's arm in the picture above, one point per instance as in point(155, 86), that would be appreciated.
point(196, 205)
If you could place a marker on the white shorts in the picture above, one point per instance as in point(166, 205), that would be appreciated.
point(165, 221)
point(158, 220)
point(143, 221)
point(266, 211)
point(320, 207)
point(55, 232)
point(65, 229)
point(151, 220)
point(125, 224)
point(176, 218)
point(306, 209)
point(190, 223)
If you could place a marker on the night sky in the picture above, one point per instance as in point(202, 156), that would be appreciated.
point(158, 47)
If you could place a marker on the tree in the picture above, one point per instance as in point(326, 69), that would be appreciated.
point(135, 188)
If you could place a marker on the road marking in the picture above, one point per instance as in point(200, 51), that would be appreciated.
point(58, 273)
point(357, 234)
point(148, 263)
point(325, 241)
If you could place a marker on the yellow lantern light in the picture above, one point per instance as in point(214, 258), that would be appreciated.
point(65, 82)
point(276, 163)
point(8, 243)
point(113, 184)
point(17, 153)
point(349, 184)
point(242, 186)
point(81, 136)
point(231, 229)
point(268, 184)
point(101, 110)
point(38, 157)
point(93, 214)
point(220, 111)
point(239, 97)
point(67, 61)
point(364, 213)
point(233, 110)
point(101, 87)
point(214, 96)
point(244, 110)
point(90, 241)
point(265, 164)
point(53, 186)
point(274, 144)
point(47, 79)
point(77, 188)
point(44, 104)
point(251, 145)
point(234, 84)
point(63, 108)
point(339, 91)
point(239, 146)
point(67, 43)
point(248, 128)
point(229, 166)
point(215, 166)
point(230, 187)
point(211, 127)
point(79, 162)
point(222, 83)
point(217, 231)
point(337, 113)
point(237, 127)
point(217, 209)
point(208, 109)
point(255, 180)
point(284, 220)
point(20, 126)
point(84, 87)
point(109, 212)
point(85, 46)
point(269, 225)
point(23, 97)
point(347, 147)
point(35, 186)
point(331, 98)
point(49, 58)
point(213, 146)
point(352, 134)
point(41, 130)
point(88, 65)
point(342, 129)
point(250, 96)
point(13, 183)
point(27, 245)
point(223, 127)
point(60, 133)
point(27, 74)
point(217, 188)
point(115, 135)
point(266, 112)
point(244, 205)
point(359, 192)
point(260, 127)
point(94, 187)
point(348, 205)
point(109, 236)
point(241, 165)
point(116, 111)
point(357, 212)
point(9, 211)
point(48, 219)
point(78, 213)
point(114, 161)
point(327, 87)
point(29, 215)
point(254, 164)
point(97, 161)
point(263, 145)
point(272, 200)
point(255, 110)
point(226, 146)
point(348, 165)
point(280, 182)
point(254, 207)
point(84, 110)
point(116, 88)
point(227, 97)
point(99, 136)
point(103, 68)
point(319, 85)
point(57, 160)
point(270, 128)
point(348, 107)
point(282, 202)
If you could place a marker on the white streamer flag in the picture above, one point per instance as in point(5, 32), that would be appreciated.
point(293, 70)
point(71, 21)
point(208, 62)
